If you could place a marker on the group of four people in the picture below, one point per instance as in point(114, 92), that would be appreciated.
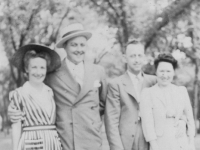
point(62, 103)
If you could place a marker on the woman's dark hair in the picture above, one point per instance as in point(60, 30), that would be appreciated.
point(33, 54)
point(166, 58)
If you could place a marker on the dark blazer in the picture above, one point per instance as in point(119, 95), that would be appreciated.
point(121, 115)
point(78, 111)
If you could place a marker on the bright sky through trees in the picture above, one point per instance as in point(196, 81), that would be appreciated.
point(3, 58)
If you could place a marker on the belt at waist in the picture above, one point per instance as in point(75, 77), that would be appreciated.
point(44, 127)
point(170, 117)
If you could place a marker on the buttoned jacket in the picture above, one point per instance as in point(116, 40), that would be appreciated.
point(122, 111)
point(79, 110)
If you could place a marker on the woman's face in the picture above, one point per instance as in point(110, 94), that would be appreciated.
point(165, 73)
point(36, 70)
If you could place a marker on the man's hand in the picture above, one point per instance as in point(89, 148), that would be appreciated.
point(154, 145)
point(14, 114)
point(181, 128)
point(191, 143)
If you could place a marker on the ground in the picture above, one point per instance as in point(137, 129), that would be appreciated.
point(5, 142)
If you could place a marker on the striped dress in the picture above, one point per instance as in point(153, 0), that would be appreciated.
point(38, 128)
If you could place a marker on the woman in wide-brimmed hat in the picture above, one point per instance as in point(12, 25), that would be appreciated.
point(37, 130)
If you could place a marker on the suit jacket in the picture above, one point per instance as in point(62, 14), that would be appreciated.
point(121, 114)
point(78, 109)
point(153, 110)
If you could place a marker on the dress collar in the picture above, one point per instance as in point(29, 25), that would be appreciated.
point(28, 87)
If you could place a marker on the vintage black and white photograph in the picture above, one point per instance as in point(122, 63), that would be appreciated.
point(99, 75)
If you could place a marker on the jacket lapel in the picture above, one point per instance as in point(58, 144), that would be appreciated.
point(129, 87)
point(65, 75)
point(87, 82)
point(159, 94)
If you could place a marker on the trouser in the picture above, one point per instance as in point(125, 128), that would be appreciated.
point(139, 141)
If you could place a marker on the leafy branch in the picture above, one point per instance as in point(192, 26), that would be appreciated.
point(161, 20)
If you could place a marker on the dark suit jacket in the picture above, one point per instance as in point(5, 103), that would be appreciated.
point(78, 110)
point(121, 113)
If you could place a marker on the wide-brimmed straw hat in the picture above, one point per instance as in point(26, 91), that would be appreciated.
point(18, 58)
point(71, 31)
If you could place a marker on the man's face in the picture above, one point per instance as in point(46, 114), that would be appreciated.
point(135, 57)
point(75, 49)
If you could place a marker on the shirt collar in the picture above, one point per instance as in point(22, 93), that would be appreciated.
point(140, 75)
point(71, 64)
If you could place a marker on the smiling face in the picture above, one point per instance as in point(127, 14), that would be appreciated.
point(135, 57)
point(165, 73)
point(36, 69)
point(75, 49)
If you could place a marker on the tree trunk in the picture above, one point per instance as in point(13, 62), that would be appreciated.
point(196, 91)
point(1, 114)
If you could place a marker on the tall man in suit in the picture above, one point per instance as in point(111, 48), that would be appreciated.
point(80, 91)
point(122, 115)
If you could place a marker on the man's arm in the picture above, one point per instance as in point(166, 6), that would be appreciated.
point(181, 126)
point(112, 115)
point(103, 91)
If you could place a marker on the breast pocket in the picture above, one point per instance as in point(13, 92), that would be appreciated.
point(93, 91)
point(93, 95)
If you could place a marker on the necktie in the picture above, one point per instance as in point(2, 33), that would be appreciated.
point(137, 88)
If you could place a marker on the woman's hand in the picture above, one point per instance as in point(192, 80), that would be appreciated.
point(191, 143)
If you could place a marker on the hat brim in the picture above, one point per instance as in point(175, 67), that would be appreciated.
point(18, 58)
point(86, 34)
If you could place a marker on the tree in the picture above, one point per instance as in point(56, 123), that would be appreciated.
point(4, 82)
point(120, 15)
point(161, 20)
point(117, 15)
point(31, 22)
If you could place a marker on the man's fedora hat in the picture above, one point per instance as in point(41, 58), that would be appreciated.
point(18, 58)
point(71, 31)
